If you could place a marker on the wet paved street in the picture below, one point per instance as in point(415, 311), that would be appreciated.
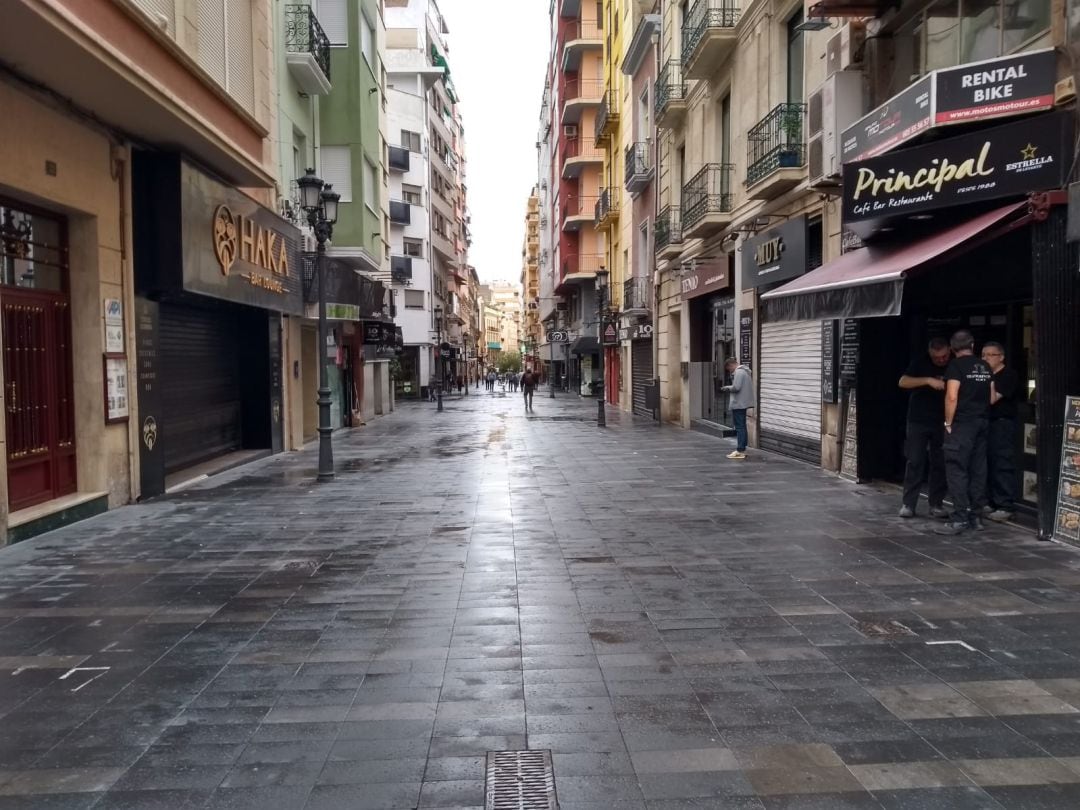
point(678, 629)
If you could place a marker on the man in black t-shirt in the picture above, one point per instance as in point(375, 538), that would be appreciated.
point(967, 406)
point(925, 378)
point(1001, 434)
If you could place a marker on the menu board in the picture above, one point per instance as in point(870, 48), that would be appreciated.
point(849, 460)
point(849, 352)
point(829, 367)
point(746, 337)
point(1067, 516)
point(116, 389)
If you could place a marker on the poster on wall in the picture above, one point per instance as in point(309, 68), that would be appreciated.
point(116, 389)
point(830, 369)
point(746, 337)
point(114, 326)
point(1067, 514)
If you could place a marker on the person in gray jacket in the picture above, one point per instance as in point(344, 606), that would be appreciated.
point(742, 400)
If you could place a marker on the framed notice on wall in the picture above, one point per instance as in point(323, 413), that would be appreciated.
point(114, 326)
point(1067, 513)
point(117, 401)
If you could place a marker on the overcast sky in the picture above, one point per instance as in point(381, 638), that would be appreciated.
point(498, 54)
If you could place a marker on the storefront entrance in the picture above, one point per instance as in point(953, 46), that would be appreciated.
point(712, 328)
point(36, 322)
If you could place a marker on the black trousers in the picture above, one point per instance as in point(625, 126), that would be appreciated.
point(1001, 442)
point(965, 466)
point(922, 449)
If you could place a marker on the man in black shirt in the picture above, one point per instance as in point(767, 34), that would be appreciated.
point(967, 406)
point(1001, 434)
point(925, 378)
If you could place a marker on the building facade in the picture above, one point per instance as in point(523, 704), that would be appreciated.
point(530, 283)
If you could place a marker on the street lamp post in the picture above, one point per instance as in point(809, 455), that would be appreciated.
point(440, 363)
point(601, 292)
point(320, 203)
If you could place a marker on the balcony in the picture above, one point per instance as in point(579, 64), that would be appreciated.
point(776, 152)
point(606, 212)
point(668, 232)
point(578, 38)
point(581, 267)
point(401, 269)
point(400, 212)
point(307, 50)
point(607, 119)
point(579, 94)
point(708, 37)
point(578, 153)
point(637, 294)
point(707, 201)
point(578, 211)
point(670, 102)
point(639, 166)
point(400, 159)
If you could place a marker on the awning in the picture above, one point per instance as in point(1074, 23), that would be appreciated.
point(587, 344)
point(869, 282)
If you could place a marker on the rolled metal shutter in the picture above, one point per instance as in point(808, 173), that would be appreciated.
point(789, 410)
point(200, 384)
point(641, 373)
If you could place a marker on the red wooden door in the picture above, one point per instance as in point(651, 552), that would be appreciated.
point(39, 412)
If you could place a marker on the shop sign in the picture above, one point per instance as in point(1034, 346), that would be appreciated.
point(610, 333)
point(372, 332)
point(1009, 160)
point(829, 362)
point(1067, 512)
point(235, 249)
point(1023, 83)
point(340, 312)
point(777, 254)
point(746, 337)
point(114, 326)
point(704, 277)
point(1010, 85)
point(641, 331)
point(558, 336)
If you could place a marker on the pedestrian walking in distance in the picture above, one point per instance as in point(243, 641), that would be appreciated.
point(529, 381)
point(968, 386)
point(742, 400)
point(1001, 435)
point(923, 446)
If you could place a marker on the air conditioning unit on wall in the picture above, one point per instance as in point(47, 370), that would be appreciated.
point(845, 49)
point(830, 109)
point(569, 130)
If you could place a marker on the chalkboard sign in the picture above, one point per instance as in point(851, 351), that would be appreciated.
point(849, 352)
point(829, 367)
point(849, 459)
point(746, 337)
point(1067, 515)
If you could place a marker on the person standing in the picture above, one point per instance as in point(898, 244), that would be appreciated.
point(742, 400)
point(529, 381)
point(925, 379)
point(967, 408)
point(1001, 434)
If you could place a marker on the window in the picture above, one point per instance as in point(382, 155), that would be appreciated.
point(725, 129)
point(410, 140)
point(226, 46)
point(643, 252)
point(795, 58)
point(371, 186)
point(334, 18)
point(413, 247)
point(644, 117)
point(414, 299)
point(367, 42)
point(337, 170)
point(412, 194)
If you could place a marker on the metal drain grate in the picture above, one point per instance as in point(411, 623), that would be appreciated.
point(520, 780)
point(887, 630)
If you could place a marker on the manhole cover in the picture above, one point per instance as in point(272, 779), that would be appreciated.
point(886, 630)
point(520, 780)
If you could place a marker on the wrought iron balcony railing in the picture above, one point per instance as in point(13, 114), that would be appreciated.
point(639, 165)
point(636, 294)
point(703, 16)
point(670, 86)
point(606, 205)
point(707, 192)
point(606, 115)
point(668, 230)
point(776, 142)
point(304, 34)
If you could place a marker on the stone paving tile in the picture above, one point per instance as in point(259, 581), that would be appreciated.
point(678, 631)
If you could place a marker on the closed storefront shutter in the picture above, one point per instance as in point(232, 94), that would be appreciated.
point(789, 414)
point(641, 374)
point(200, 384)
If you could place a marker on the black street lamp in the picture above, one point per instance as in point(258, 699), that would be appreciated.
point(320, 202)
point(440, 364)
point(601, 294)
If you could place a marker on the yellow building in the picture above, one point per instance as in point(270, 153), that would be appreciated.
point(530, 282)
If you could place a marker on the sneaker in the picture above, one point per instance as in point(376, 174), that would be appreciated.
point(984, 510)
point(951, 528)
point(737, 456)
point(1000, 515)
point(975, 523)
point(939, 512)
point(907, 512)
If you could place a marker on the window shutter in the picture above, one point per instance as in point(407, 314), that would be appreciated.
point(212, 38)
point(334, 17)
point(337, 169)
point(158, 10)
point(240, 53)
